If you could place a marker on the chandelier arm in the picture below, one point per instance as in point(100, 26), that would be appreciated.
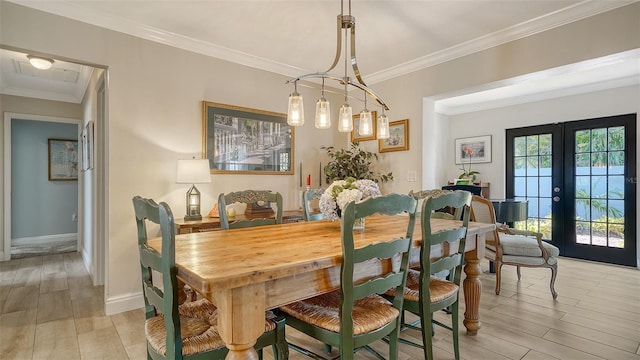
point(338, 44)
point(322, 75)
point(354, 61)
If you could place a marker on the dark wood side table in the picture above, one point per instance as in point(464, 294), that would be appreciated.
point(213, 223)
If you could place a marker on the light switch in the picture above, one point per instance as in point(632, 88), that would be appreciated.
point(411, 176)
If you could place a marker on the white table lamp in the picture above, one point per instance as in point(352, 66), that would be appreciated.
point(193, 172)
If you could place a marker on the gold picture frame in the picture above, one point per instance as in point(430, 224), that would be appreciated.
point(239, 140)
point(355, 136)
point(398, 139)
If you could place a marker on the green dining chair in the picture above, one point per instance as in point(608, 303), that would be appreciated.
point(262, 198)
point(307, 197)
point(426, 293)
point(187, 330)
point(355, 315)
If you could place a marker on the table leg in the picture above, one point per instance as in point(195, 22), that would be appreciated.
point(472, 290)
point(241, 319)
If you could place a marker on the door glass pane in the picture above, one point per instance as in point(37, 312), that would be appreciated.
point(520, 146)
point(583, 141)
point(545, 144)
point(545, 186)
point(532, 166)
point(583, 187)
point(545, 165)
point(532, 145)
point(583, 164)
point(616, 162)
point(532, 186)
point(583, 209)
point(520, 189)
point(616, 187)
point(583, 232)
point(599, 163)
point(599, 139)
point(520, 165)
point(616, 138)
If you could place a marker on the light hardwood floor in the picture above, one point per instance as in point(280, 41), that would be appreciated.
point(50, 310)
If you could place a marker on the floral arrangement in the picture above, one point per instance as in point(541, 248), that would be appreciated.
point(469, 152)
point(341, 192)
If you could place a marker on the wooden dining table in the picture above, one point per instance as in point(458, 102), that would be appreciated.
point(250, 270)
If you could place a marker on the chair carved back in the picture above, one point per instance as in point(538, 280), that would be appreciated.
point(158, 300)
point(391, 204)
point(249, 197)
point(452, 263)
point(307, 197)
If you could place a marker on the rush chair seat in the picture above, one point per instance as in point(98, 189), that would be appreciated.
point(249, 197)
point(425, 293)
point(188, 330)
point(506, 246)
point(307, 197)
point(355, 315)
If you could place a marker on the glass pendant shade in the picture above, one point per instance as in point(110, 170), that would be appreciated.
point(366, 124)
point(345, 119)
point(383, 127)
point(323, 114)
point(295, 115)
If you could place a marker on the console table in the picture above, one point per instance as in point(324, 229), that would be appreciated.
point(213, 223)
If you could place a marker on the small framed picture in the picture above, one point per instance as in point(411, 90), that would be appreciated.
point(473, 150)
point(63, 160)
point(398, 139)
point(355, 135)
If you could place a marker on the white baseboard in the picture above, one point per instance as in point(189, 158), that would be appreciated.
point(122, 303)
point(39, 240)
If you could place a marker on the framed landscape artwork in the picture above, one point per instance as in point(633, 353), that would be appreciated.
point(473, 150)
point(398, 137)
point(63, 160)
point(247, 141)
point(355, 135)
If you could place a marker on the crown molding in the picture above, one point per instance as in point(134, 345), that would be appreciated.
point(561, 17)
point(556, 19)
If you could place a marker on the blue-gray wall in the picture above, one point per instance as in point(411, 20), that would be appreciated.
point(39, 207)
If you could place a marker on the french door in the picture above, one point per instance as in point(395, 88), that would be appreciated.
point(579, 179)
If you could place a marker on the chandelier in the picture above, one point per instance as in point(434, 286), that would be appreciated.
point(295, 115)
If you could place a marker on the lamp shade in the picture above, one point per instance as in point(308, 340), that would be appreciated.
point(40, 62)
point(193, 171)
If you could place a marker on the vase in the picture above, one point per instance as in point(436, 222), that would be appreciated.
point(358, 224)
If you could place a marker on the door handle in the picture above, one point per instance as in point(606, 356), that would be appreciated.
point(556, 198)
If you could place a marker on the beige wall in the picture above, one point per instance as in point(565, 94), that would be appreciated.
point(155, 95)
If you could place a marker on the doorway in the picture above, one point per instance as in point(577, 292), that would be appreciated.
point(579, 180)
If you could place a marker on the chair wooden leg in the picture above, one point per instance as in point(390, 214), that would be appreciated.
point(427, 331)
point(518, 272)
point(498, 276)
point(554, 272)
point(454, 326)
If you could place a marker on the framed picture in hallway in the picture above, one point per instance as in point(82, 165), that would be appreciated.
point(241, 140)
point(63, 160)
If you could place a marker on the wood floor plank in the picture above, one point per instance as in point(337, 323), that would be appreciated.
point(591, 347)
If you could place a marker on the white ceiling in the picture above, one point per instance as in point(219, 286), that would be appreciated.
point(393, 37)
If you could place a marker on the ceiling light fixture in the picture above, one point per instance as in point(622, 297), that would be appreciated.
point(295, 115)
point(41, 63)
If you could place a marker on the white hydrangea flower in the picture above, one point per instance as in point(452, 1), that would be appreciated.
point(341, 192)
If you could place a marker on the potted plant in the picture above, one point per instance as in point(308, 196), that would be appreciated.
point(353, 162)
